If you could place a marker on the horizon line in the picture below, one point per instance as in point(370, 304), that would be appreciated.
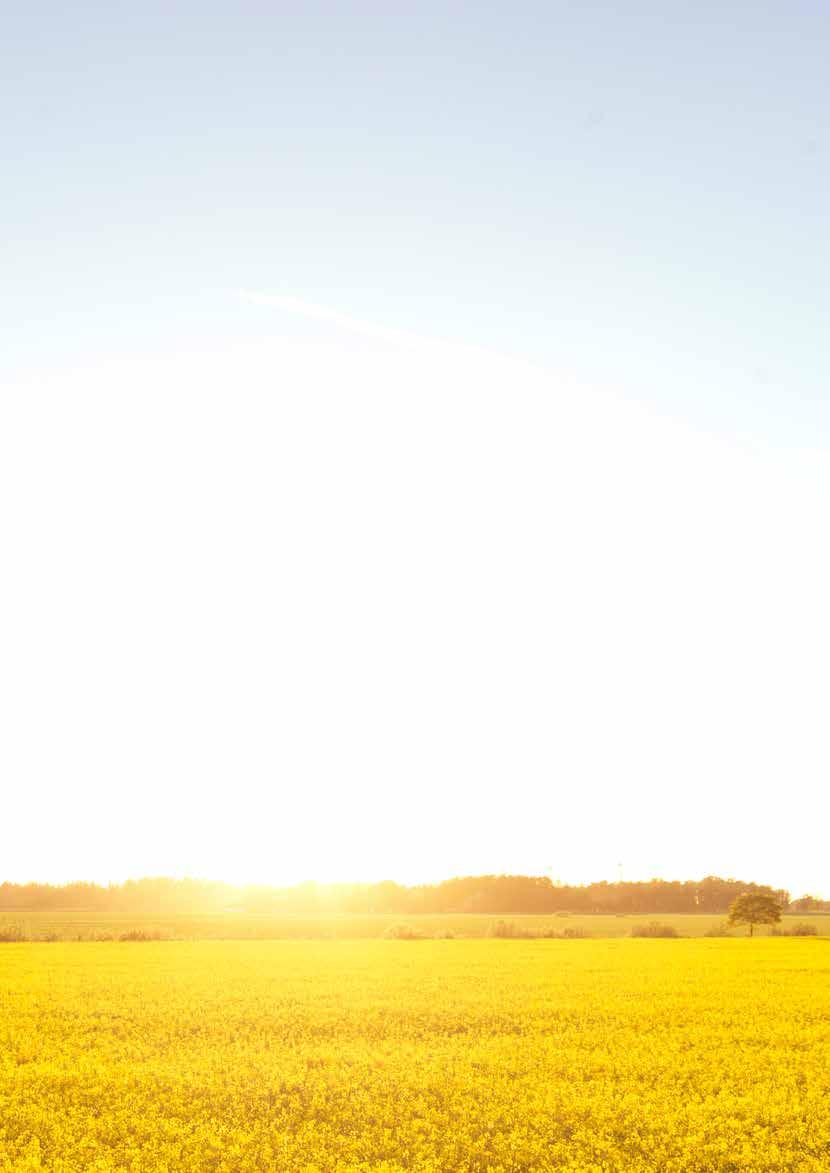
point(355, 883)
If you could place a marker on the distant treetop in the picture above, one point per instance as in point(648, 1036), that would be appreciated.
point(485, 894)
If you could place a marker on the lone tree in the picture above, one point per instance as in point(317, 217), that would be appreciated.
point(754, 908)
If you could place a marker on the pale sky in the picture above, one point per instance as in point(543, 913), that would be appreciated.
point(414, 441)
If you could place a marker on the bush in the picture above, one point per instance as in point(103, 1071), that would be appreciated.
point(12, 933)
point(508, 930)
point(719, 930)
point(141, 935)
point(654, 929)
point(801, 929)
point(403, 932)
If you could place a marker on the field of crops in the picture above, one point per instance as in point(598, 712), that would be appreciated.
point(691, 1055)
point(237, 926)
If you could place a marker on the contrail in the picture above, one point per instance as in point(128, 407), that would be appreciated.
point(323, 313)
point(448, 349)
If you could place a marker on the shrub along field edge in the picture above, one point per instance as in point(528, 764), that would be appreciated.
point(90, 926)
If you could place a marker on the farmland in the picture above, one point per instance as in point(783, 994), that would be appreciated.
point(86, 925)
point(325, 1055)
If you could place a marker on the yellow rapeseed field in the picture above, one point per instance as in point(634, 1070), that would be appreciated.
point(428, 1055)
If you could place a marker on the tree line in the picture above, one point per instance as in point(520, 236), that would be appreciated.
point(471, 894)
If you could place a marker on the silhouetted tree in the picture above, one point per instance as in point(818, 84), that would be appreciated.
point(755, 908)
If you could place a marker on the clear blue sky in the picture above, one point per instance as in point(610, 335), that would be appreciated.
point(487, 531)
point(637, 193)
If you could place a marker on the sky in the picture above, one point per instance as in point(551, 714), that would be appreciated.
point(414, 441)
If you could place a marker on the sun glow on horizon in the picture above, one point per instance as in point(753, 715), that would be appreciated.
point(349, 605)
